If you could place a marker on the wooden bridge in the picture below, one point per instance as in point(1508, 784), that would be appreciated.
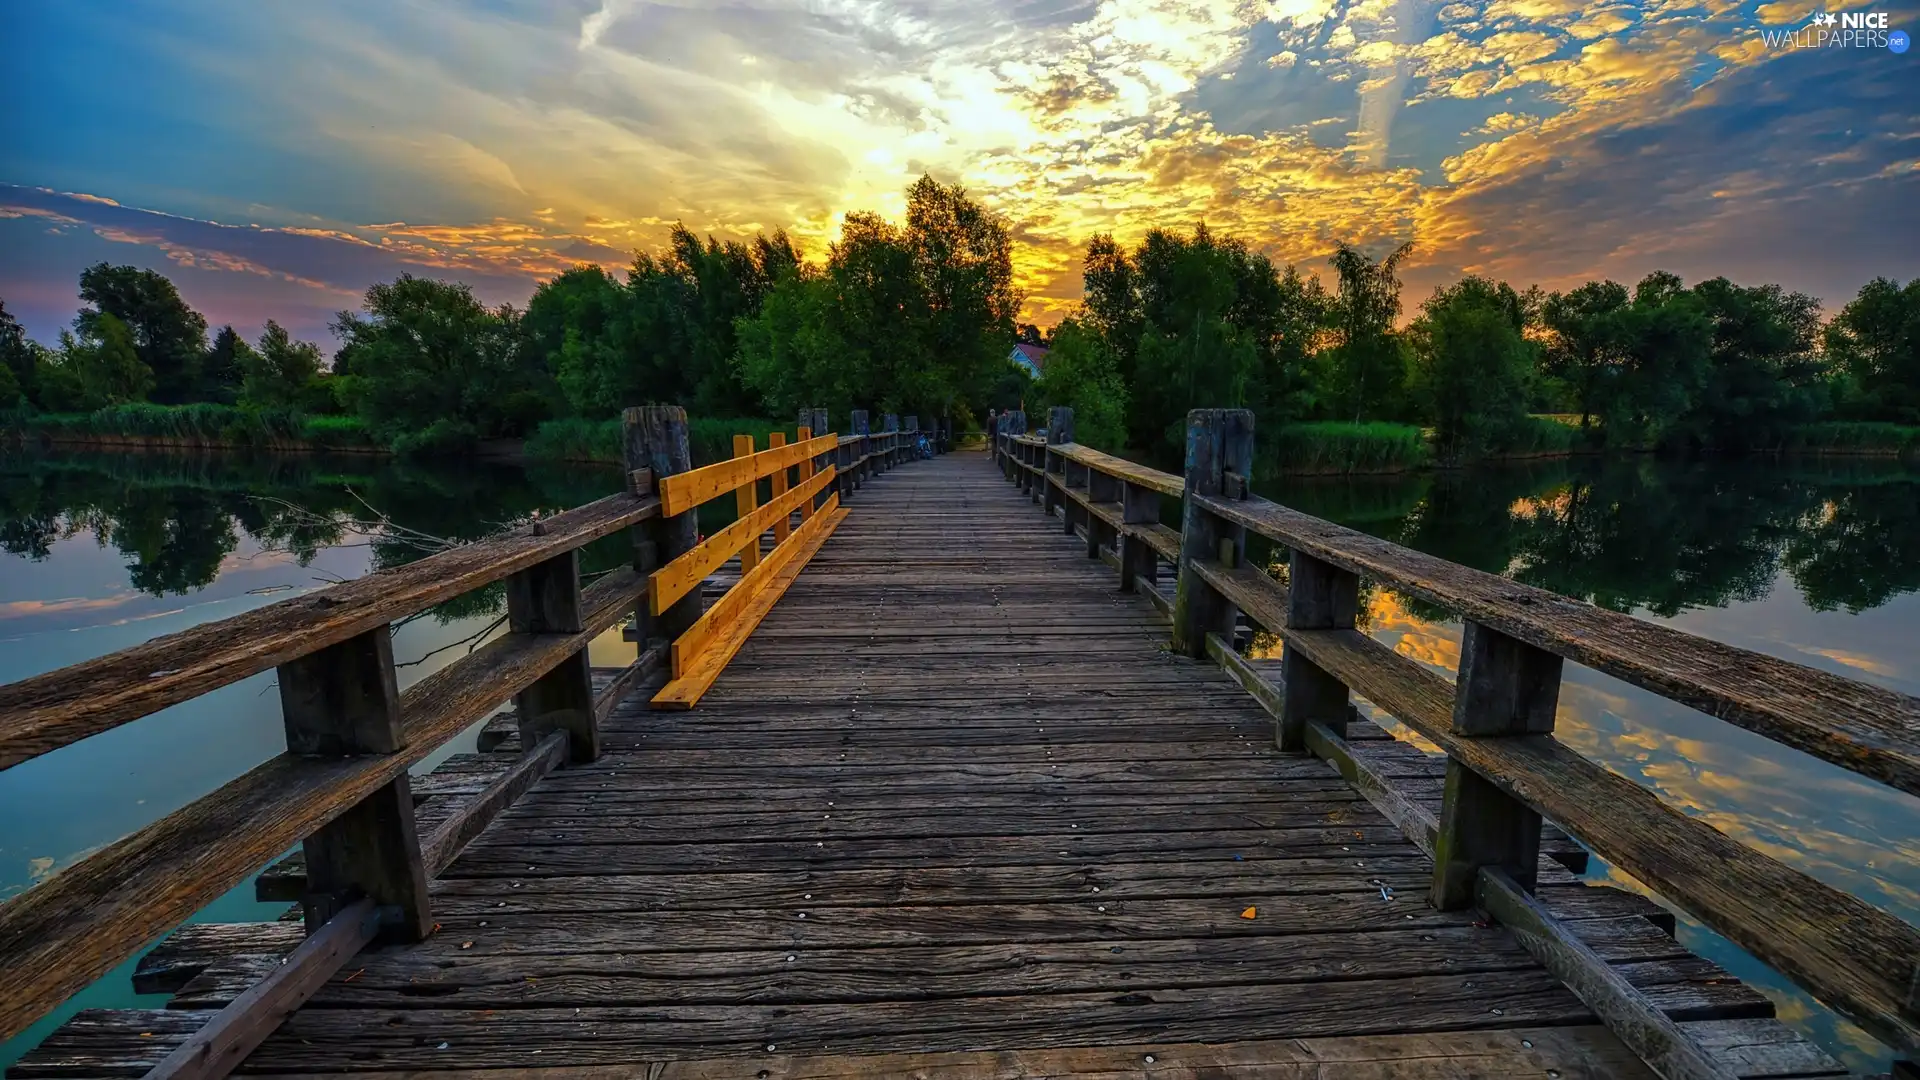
point(943, 787)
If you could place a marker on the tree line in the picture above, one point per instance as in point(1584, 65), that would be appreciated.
point(919, 317)
point(1185, 320)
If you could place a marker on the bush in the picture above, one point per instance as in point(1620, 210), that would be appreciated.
point(1340, 447)
point(1541, 435)
point(710, 440)
point(336, 431)
point(1863, 436)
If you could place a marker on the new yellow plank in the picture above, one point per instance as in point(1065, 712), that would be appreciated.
point(684, 491)
point(687, 571)
point(778, 486)
point(686, 690)
point(744, 498)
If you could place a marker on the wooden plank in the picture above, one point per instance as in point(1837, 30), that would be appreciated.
point(218, 1048)
point(1868, 729)
point(72, 928)
point(723, 615)
point(445, 842)
point(1625, 1010)
point(49, 711)
point(777, 486)
point(1218, 441)
point(546, 599)
point(1319, 596)
point(655, 437)
point(692, 681)
point(188, 950)
point(1854, 957)
point(686, 573)
point(1121, 469)
point(746, 499)
point(684, 491)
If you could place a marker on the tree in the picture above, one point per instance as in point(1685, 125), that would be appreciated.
point(431, 368)
point(1664, 344)
point(1763, 374)
point(1081, 373)
point(1368, 362)
point(1584, 340)
point(281, 373)
point(1471, 361)
point(1031, 335)
point(223, 367)
point(19, 356)
point(168, 336)
point(97, 368)
point(962, 257)
point(1875, 340)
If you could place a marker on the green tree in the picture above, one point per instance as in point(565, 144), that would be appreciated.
point(431, 368)
point(94, 369)
point(20, 357)
point(792, 353)
point(1367, 358)
point(1471, 361)
point(1664, 348)
point(1764, 373)
point(169, 337)
point(281, 373)
point(1585, 336)
point(224, 366)
point(1875, 340)
point(963, 260)
point(1083, 374)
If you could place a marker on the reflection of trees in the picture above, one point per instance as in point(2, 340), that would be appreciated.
point(1860, 547)
point(176, 518)
point(1642, 533)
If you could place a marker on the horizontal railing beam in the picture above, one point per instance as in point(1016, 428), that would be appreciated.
point(1864, 728)
point(49, 711)
point(74, 927)
point(688, 571)
point(684, 491)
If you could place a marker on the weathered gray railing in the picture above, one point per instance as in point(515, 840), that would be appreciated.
point(341, 790)
point(1495, 721)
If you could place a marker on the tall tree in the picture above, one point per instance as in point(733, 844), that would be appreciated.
point(19, 356)
point(1368, 361)
point(963, 259)
point(1471, 362)
point(1081, 373)
point(223, 367)
point(1764, 373)
point(95, 368)
point(169, 337)
point(282, 372)
point(1585, 339)
point(1876, 340)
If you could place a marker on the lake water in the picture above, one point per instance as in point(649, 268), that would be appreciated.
point(1814, 561)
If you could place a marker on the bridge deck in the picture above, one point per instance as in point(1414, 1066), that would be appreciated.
point(955, 796)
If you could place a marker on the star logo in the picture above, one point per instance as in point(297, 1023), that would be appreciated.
point(1831, 18)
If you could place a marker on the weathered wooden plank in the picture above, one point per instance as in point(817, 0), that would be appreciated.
point(684, 491)
point(1868, 729)
point(218, 1048)
point(49, 711)
point(440, 846)
point(1121, 469)
point(188, 950)
point(72, 928)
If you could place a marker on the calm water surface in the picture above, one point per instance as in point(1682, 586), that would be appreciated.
point(1816, 562)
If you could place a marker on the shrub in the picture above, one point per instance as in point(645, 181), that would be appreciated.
point(1341, 447)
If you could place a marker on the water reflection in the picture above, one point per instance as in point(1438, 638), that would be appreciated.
point(1813, 561)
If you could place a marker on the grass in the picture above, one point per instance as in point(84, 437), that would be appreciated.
point(202, 424)
point(710, 439)
point(1543, 435)
point(1338, 447)
point(1855, 435)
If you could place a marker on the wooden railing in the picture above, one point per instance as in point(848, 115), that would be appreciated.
point(1505, 769)
point(341, 790)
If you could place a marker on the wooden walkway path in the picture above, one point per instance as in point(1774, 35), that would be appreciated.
point(955, 800)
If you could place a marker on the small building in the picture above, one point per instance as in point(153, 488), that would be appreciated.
point(1031, 358)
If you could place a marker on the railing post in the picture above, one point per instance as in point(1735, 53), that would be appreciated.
point(343, 701)
point(910, 439)
point(891, 456)
point(656, 439)
point(545, 599)
point(1505, 687)
point(1219, 441)
point(861, 450)
point(817, 425)
point(776, 487)
point(1138, 560)
point(1101, 488)
point(1059, 433)
point(745, 498)
point(1320, 596)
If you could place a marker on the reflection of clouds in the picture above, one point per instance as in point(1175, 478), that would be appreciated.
point(26, 609)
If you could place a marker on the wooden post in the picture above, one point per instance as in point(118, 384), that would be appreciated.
point(817, 424)
point(545, 599)
point(1138, 560)
point(343, 701)
point(1101, 488)
point(861, 450)
point(1320, 596)
point(656, 438)
point(776, 487)
point(1219, 441)
point(745, 498)
point(1505, 687)
point(1059, 432)
point(804, 471)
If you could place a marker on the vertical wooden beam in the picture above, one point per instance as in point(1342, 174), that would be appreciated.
point(1320, 596)
point(545, 599)
point(656, 438)
point(861, 450)
point(340, 701)
point(745, 498)
point(1059, 433)
point(804, 472)
point(777, 486)
point(1101, 488)
point(1219, 441)
point(1505, 687)
point(1138, 561)
point(817, 424)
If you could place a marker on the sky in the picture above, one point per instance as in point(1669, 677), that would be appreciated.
point(275, 158)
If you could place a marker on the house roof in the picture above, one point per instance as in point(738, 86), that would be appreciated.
point(1035, 354)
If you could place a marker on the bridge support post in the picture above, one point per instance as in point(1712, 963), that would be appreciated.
point(1059, 433)
point(343, 701)
point(776, 487)
point(861, 451)
point(1320, 596)
point(656, 439)
point(1219, 442)
point(910, 439)
point(545, 599)
point(891, 455)
point(1138, 561)
point(1505, 687)
point(1101, 488)
point(817, 425)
